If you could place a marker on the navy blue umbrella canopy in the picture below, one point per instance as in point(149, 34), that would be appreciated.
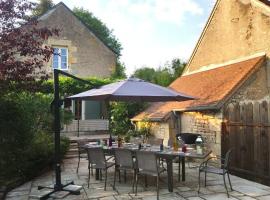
point(132, 89)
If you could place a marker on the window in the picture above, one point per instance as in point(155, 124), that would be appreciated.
point(60, 58)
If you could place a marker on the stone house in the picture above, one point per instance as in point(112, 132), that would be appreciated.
point(229, 72)
point(77, 50)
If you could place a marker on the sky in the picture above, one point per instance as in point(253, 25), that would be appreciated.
point(152, 32)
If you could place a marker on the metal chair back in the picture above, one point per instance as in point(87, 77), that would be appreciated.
point(147, 161)
point(96, 157)
point(124, 158)
point(80, 144)
point(227, 159)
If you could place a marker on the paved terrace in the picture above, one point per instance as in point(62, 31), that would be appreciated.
point(243, 189)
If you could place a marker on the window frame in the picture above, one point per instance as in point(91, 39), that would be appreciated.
point(59, 58)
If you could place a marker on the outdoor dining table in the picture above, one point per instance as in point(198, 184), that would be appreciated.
point(167, 154)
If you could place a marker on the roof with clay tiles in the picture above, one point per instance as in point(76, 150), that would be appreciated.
point(212, 87)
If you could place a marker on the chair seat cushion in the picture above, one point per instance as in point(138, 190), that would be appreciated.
point(152, 173)
point(213, 170)
point(122, 167)
point(108, 165)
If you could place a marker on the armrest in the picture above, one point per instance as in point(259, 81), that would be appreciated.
point(110, 157)
point(205, 163)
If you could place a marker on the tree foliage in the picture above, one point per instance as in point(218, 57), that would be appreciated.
point(69, 86)
point(22, 53)
point(163, 75)
point(119, 72)
point(26, 139)
point(120, 115)
point(42, 7)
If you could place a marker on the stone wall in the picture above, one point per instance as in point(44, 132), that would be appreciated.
point(238, 28)
point(206, 123)
point(87, 55)
point(161, 130)
point(256, 89)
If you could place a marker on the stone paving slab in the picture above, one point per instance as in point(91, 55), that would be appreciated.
point(218, 196)
point(243, 189)
point(251, 190)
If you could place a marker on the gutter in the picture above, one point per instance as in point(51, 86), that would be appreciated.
point(178, 122)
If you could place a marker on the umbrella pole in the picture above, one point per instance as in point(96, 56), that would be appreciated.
point(58, 184)
point(69, 187)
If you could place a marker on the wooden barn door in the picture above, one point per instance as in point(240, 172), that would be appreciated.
point(246, 129)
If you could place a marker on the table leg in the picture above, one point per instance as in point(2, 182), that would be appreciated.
point(170, 174)
point(183, 168)
point(179, 166)
point(97, 174)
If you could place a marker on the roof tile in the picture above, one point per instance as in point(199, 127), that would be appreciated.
point(210, 86)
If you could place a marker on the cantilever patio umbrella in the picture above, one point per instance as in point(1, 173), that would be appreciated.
point(132, 89)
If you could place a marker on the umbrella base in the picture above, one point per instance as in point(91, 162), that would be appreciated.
point(53, 189)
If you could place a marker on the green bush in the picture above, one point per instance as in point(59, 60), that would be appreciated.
point(69, 86)
point(120, 115)
point(26, 138)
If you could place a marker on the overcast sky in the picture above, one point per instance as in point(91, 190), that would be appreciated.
point(151, 31)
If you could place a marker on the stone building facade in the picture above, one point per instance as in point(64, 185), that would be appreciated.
point(88, 56)
point(80, 52)
point(235, 38)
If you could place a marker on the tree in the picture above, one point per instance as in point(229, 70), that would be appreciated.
point(163, 75)
point(22, 53)
point(120, 114)
point(178, 67)
point(42, 7)
point(145, 73)
point(119, 71)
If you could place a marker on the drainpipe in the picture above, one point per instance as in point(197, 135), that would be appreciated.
point(178, 121)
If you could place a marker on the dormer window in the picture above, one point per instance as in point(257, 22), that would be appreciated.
point(60, 58)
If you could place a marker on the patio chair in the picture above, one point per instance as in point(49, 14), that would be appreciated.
point(222, 170)
point(148, 165)
point(81, 152)
point(124, 161)
point(97, 160)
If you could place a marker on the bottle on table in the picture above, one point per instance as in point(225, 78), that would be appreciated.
point(110, 141)
point(199, 145)
point(119, 140)
point(184, 148)
point(175, 144)
point(161, 147)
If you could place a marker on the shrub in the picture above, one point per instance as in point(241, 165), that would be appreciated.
point(26, 139)
point(69, 86)
point(121, 113)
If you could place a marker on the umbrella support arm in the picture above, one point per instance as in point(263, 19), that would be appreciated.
point(58, 186)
